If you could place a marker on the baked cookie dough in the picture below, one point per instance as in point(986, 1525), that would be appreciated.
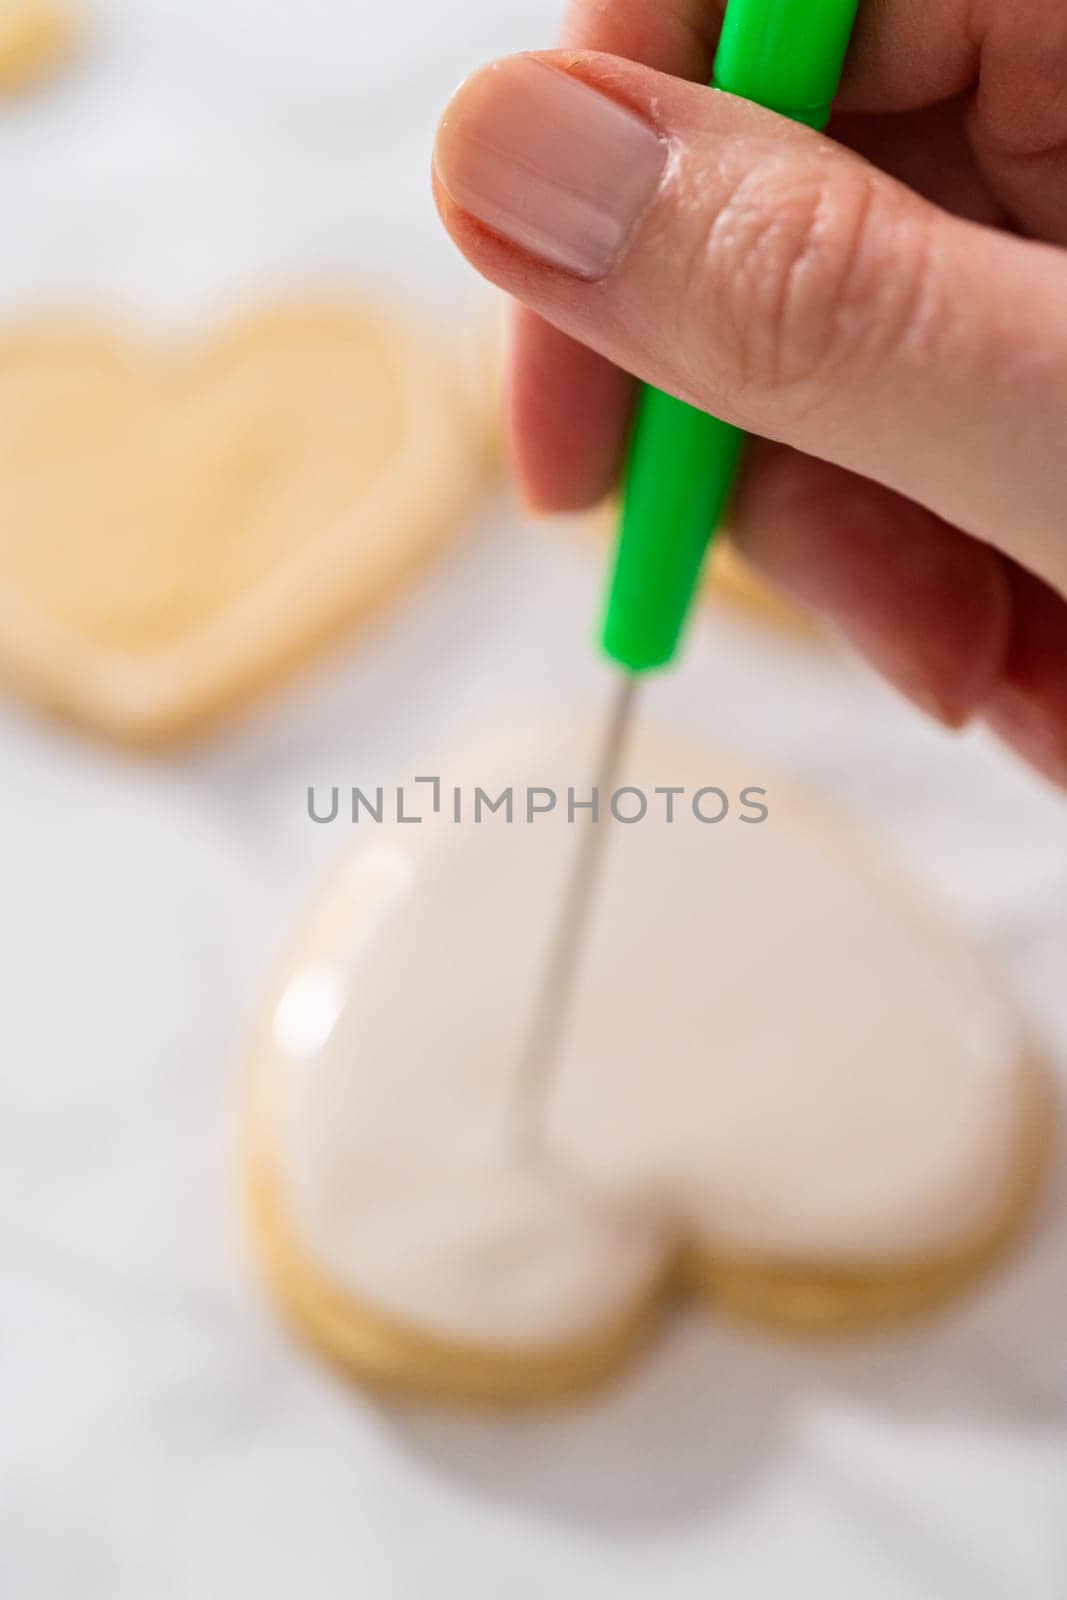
point(787, 1085)
point(36, 40)
point(177, 527)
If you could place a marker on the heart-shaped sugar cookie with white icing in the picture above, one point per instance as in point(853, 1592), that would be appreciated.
point(179, 525)
point(787, 1085)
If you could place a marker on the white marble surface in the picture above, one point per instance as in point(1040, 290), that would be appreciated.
point(159, 1436)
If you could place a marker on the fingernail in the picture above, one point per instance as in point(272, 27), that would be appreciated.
point(555, 167)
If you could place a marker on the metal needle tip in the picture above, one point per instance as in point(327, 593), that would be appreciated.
point(539, 1060)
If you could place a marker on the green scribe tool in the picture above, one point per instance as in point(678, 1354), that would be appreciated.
point(786, 55)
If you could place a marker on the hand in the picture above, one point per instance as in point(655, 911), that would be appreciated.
point(893, 315)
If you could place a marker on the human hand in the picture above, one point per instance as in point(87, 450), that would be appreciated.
point(893, 315)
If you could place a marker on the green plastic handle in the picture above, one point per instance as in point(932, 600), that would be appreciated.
point(786, 55)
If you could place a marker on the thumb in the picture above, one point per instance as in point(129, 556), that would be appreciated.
point(763, 273)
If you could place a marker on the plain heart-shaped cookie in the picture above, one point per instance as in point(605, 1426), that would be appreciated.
point(786, 1085)
point(177, 526)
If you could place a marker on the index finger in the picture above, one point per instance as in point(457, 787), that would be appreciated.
point(905, 54)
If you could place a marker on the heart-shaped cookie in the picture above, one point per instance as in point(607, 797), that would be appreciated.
point(177, 526)
point(786, 1085)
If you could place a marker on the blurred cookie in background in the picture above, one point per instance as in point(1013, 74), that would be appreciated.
point(181, 525)
point(37, 40)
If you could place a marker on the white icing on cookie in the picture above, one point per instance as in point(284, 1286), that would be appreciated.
point(776, 1055)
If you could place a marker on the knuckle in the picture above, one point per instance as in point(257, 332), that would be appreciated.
point(812, 275)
